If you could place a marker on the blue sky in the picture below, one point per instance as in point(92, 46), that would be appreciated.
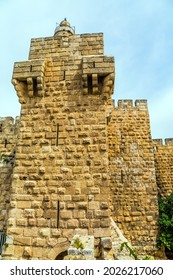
point(138, 33)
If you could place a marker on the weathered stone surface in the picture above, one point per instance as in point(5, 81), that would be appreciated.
point(27, 252)
point(79, 159)
point(106, 242)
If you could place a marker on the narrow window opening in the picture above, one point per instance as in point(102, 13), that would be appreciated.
point(58, 213)
point(100, 84)
point(57, 134)
point(1, 127)
point(108, 119)
point(35, 90)
point(5, 143)
point(89, 84)
point(64, 75)
point(30, 68)
point(122, 177)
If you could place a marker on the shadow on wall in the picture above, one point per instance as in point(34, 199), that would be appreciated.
point(61, 255)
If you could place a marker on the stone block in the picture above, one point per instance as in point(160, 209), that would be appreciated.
point(73, 223)
point(18, 251)
point(94, 190)
point(82, 205)
point(95, 223)
point(37, 252)
point(29, 213)
point(27, 252)
point(39, 242)
point(149, 219)
point(66, 214)
point(70, 205)
point(39, 213)
point(52, 242)
point(106, 242)
point(24, 204)
point(21, 222)
point(32, 222)
point(102, 232)
point(16, 231)
point(102, 213)
point(30, 184)
point(105, 222)
point(18, 240)
point(79, 214)
point(55, 232)
point(93, 205)
point(84, 223)
point(44, 232)
point(9, 251)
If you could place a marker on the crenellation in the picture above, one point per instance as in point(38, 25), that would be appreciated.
point(124, 104)
point(169, 141)
point(163, 142)
point(128, 103)
point(163, 152)
point(158, 141)
point(141, 104)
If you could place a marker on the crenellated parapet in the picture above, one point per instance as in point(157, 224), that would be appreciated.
point(163, 142)
point(163, 154)
point(8, 125)
point(8, 134)
point(28, 79)
point(140, 104)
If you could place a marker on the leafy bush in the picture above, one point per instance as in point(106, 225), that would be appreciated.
point(78, 244)
point(166, 222)
point(6, 158)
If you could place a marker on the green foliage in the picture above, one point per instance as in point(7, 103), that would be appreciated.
point(148, 258)
point(166, 222)
point(6, 158)
point(78, 244)
point(131, 251)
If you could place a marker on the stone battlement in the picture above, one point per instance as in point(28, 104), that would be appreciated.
point(163, 142)
point(8, 124)
point(129, 103)
point(8, 134)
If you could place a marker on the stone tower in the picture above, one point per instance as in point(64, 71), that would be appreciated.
point(60, 183)
point(81, 163)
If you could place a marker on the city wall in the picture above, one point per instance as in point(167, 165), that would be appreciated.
point(163, 153)
point(132, 173)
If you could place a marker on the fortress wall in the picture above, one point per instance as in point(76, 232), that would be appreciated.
point(8, 134)
point(5, 183)
point(163, 153)
point(132, 171)
point(8, 138)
